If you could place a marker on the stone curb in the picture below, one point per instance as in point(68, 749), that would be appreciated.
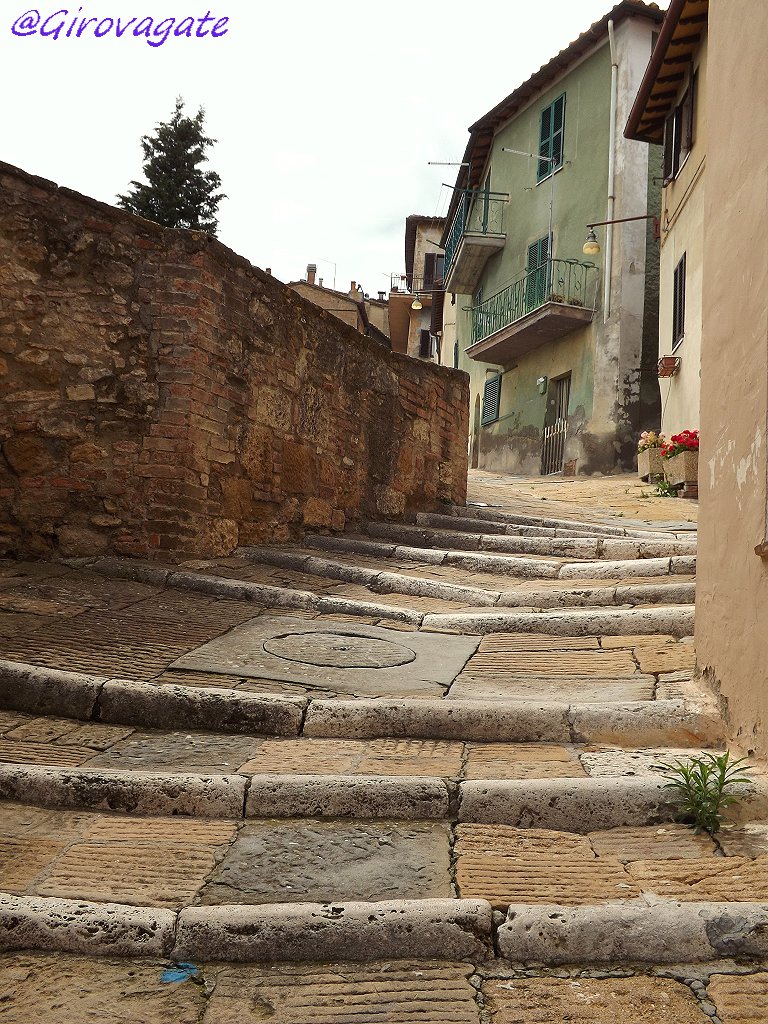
point(72, 695)
point(154, 794)
point(634, 723)
point(169, 706)
point(568, 805)
point(637, 932)
point(261, 595)
point(47, 691)
point(230, 797)
point(80, 926)
point(331, 796)
point(434, 929)
point(676, 621)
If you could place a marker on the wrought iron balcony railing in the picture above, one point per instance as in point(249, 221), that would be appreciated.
point(412, 285)
point(479, 212)
point(567, 282)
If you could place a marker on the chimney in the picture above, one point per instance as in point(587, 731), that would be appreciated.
point(353, 289)
point(311, 271)
point(269, 271)
point(320, 282)
point(381, 296)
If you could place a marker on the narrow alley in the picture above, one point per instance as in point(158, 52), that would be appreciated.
point(411, 772)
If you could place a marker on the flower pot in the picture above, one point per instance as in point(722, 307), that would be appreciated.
point(682, 469)
point(650, 463)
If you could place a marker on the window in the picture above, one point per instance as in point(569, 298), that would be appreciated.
point(491, 394)
point(679, 132)
point(425, 344)
point(433, 269)
point(551, 131)
point(456, 354)
point(678, 305)
point(538, 273)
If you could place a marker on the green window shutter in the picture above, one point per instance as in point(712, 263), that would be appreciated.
point(551, 134)
point(538, 253)
point(491, 393)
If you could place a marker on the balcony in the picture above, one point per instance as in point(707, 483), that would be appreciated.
point(543, 305)
point(477, 232)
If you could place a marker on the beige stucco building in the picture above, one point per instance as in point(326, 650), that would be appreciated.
point(411, 292)
point(719, 219)
point(671, 110)
point(367, 315)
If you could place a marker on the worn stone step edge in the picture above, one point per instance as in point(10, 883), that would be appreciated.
point(466, 623)
point(468, 523)
point(260, 594)
point(498, 515)
point(430, 929)
point(389, 583)
point(620, 933)
point(675, 620)
point(35, 690)
point(568, 805)
point(479, 524)
point(607, 547)
point(508, 565)
point(650, 930)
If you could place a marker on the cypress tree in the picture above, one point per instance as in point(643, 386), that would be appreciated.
point(177, 192)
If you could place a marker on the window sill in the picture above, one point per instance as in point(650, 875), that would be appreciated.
point(540, 181)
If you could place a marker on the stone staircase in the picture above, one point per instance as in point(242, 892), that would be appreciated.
point(406, 775)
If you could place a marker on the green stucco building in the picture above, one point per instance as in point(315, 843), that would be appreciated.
point(561, 347)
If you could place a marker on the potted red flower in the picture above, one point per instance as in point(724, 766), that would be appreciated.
point(681, 459)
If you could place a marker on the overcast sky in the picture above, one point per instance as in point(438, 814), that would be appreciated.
point(326, 115)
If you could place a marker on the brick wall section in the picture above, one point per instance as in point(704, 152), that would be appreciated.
point(162, 397)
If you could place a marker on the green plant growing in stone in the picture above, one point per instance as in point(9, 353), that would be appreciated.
point(701, 785)
point(663, 489)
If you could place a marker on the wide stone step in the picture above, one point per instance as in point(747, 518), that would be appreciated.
point(467, 524)
point(679, 714)
point(497, 515)
point(568, 594)
point(507, 565)
point(575, 547)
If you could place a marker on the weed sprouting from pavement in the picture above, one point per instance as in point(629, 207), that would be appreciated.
point(701, 784)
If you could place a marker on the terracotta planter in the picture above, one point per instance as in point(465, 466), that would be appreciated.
point(682, 469)
point(649, 463)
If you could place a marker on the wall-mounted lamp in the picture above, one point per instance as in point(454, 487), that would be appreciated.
point(541, 384)
point(592, 247)
point(416, 304)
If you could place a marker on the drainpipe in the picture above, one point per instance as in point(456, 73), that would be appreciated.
point(611, 177)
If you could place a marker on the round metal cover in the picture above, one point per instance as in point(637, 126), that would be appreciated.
point(339, 650)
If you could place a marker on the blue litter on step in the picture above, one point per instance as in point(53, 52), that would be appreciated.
point(180, 972)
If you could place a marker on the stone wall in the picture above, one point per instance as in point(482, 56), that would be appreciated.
point(162, 397)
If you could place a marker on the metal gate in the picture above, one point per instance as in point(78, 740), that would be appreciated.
point(554, 434)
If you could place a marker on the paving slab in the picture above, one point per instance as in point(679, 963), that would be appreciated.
point(591, 1001)
point(716, 879)
point(193, 752)
point(748, 840)
point(652, 842)
point(340, 656)
point(350, 757)
point(321, 861)
point(510, 865)
point(521, 761)
point(740, 998)
point(398, 992)
point(60, 989)
point(563, 689)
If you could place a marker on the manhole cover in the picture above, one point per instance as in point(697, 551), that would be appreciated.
point(338, 650)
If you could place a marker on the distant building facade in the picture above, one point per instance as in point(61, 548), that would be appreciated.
point(561, 348)
point(367, 315)
point(411, 295)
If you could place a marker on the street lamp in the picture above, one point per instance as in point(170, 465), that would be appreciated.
point(592, 247)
